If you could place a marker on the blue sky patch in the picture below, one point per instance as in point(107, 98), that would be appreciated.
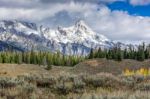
point(142, 10)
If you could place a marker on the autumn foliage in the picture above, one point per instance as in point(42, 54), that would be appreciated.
point(141, 71)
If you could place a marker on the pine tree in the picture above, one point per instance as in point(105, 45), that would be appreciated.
point(125, 54)
point(1, 60)
point(19, 55)
point(28, 56)
point(119, 55)
point(91, 54)
point(32, 57)
point(49, 61)
point(100, 53)
point(147, 54)
point(140, 54)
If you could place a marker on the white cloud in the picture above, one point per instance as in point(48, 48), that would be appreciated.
point(38, 14)
point(119, 25)
point(116, 25)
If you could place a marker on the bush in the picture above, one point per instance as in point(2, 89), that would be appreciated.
point(49, 67)
point(64, 88)
point(46, 82)
point(102, 80)
point(9, 82)
point(78, 85)
point(143, 87)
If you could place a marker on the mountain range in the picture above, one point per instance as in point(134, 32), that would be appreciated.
point(78, 39)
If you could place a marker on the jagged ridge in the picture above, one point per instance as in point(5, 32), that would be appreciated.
point(77, 39)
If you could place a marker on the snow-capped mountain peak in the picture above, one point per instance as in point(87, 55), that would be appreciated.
point(80, 33)
point(76, 39)
point(81, 25)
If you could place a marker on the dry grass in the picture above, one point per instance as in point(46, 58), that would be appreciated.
point(95, 66)
point(88, 67)
point(13, 70)
point(85, 81)
point(100, 86)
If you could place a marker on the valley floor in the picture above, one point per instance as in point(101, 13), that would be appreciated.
point(91, 79)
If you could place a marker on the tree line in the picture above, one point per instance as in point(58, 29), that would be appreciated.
point(48, 58)
point(139, 53)
point(39, 58)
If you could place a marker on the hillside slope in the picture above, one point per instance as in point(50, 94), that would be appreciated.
point(94, 66)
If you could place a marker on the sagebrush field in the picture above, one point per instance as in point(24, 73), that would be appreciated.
point(35, 82)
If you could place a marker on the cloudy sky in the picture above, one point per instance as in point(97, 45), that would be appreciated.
point(121, 20)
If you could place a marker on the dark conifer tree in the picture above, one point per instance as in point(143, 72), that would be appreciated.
point(140, 54)
point(91, 55)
